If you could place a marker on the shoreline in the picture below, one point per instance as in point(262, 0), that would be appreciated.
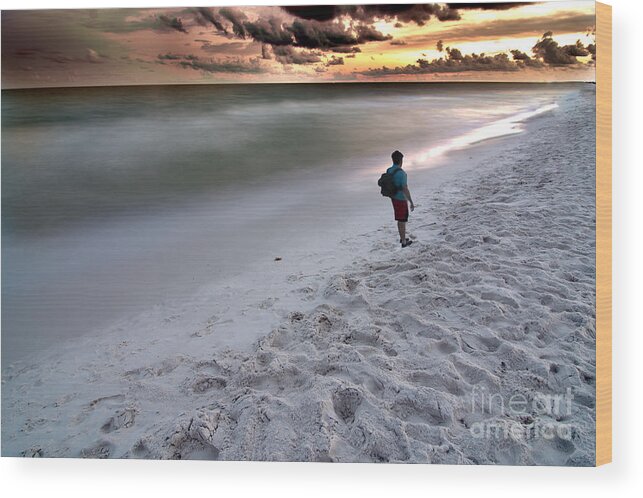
point(156, 273)
point(331, 252)
point(333, 335)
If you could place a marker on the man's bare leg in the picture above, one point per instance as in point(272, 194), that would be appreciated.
point(401, 227)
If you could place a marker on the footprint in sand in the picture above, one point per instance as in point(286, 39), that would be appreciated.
point(122, 419)
point(346, 401)
point(204, 384)
point(102, 449)
point(163, 368)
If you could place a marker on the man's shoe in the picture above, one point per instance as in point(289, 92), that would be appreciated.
point(407, 242)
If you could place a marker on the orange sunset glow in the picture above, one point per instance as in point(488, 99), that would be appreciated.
point(543, 41)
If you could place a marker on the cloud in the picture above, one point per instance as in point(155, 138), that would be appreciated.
point(269, 31)
point(169, 57)
point(369, 34)
point(440, 45)
point(205, 16)
point(398, 42)
point(403, 13)
point(319, 13)
point(419, 14)
point(346, 50)
point(455, 63)
point(335, 61)
point(523, 59)
point(553, 54)
point(224, 66)
point(288, 55)
point(591, 48)
point(489, 6)
point(454, 54)
point(546, 51)
point(312, 34)
point(228, 65)
point(274, 31)
point(230, 48)
point(577, 50)
point(565, 22)
point(166, 23)
point(519, 56)
point(237, 19)
point(90, 55)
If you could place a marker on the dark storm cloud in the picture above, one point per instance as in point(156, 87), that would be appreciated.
point(230, 48)
point(288, 55)
point(315, 35)
point(335, 61)
point(405, 13)
point(346, 50)
point(419, 14)
point(489, 6)
point(226, 66)
point(270, 31)
point(311, 34)
point(319, 13)
point(166, 23)
point(367, 34)
point(237, 19)
point(170, 57)
point(177, 57)
point(205, 16)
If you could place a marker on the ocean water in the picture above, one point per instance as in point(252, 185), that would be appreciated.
point(114, 199)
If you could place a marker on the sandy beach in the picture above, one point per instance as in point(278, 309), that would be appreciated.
point(475, 345)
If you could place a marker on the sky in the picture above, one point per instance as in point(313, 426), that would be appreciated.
point(542, 41)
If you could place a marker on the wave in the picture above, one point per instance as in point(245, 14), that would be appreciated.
point(510, 125)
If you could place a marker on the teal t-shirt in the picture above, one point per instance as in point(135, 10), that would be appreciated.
point(400, 181)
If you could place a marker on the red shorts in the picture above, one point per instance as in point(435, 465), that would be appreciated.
point(401, 209)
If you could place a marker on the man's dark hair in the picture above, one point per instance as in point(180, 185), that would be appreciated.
point(397, 157)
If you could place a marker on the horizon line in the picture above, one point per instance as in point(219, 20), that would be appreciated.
point(305, 83)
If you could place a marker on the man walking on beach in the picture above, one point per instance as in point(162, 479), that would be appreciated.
point(402, 197)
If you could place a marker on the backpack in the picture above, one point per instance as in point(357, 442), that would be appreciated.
point(387, 184)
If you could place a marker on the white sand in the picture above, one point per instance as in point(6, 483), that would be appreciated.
point(366, 352)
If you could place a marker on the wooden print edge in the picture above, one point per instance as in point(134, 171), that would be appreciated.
point(603, 233)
